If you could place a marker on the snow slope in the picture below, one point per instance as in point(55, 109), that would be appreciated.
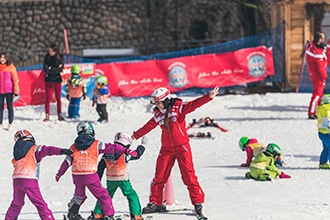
point(275, 117)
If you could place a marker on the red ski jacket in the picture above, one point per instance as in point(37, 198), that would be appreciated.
point(317, 62)
point(177, 132)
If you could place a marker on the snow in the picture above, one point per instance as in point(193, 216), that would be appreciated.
point(275, 117)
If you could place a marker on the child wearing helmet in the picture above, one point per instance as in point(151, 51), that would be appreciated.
point(263, 166)
point(118, 176)
point(26, 161)
point(169, 115)
point(252, 147)
point(323, 125)
point(83, 162)
point(75, 90)
point(100, 98)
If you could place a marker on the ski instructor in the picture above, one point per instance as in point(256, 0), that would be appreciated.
point(317, 68)
point(170, 114)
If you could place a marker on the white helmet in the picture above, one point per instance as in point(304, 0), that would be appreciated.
point(325, 99)
point(123, 139)
point(159, 94)
point(85, 127)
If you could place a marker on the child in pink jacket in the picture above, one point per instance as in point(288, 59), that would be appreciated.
point(83, 162)
point(26, 161)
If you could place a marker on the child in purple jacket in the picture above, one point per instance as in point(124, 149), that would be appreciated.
point(83, 162)
point(26, 161)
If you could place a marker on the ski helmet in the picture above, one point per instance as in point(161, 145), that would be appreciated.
point(325, 99)
point(274, 149)
point(160, 94)
point(75, 69)
point(123, 139)
point(24, 135)
point(102, 80)
point(85, 127)
point(242, 142)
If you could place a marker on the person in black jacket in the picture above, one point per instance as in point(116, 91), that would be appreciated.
point(53, 66)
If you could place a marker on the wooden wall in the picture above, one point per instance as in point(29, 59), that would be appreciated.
point(298, 30)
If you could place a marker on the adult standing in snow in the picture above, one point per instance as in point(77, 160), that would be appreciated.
point(170, 114)
point(317, 68)
point(53, 66)
point(8, 87)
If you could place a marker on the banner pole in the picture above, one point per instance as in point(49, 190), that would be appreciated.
point(302, 67)
point(66, 45)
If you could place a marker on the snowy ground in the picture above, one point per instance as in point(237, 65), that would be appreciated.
point(275, 117)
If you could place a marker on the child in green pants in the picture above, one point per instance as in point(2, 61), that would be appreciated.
point(118, 176)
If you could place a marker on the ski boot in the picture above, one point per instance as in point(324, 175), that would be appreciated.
point(73, 213)
point(151, 208)
point(136, 217)
point(94, 216)
point(199, 213)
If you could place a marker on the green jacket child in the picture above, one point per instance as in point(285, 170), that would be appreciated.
point(263, 166)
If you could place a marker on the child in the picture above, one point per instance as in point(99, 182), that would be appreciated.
point(262, 166)
point(75, 89)
point(26, 161)
point(101, 94)
point(323, 123)
point(118, 176)
point(84, 166)
point(252, 148)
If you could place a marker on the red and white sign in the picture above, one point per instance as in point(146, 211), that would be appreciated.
point(142, 78)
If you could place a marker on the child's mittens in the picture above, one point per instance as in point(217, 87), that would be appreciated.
point(136, 154)
point(140, 150)
point(279, 163)
point(67, 97)
point(144, 140)
point(284, 176)
point(133, 153)
point(67, 152)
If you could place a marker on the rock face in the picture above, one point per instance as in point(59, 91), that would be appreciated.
point(149, 26)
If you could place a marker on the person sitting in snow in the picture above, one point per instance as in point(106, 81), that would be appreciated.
point(263, 166)
point(252, 147)
point(323, 123)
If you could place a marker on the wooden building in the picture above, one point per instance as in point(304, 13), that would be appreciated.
point(300, 19)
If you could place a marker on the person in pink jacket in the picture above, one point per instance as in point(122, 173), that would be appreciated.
point(8, 87)
point(83, 162)
point(170, 114)
point(26, 161)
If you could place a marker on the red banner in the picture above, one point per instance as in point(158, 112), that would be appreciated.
point(141, 78)
point(202, 71)
point(87, 70)
point(31, 88)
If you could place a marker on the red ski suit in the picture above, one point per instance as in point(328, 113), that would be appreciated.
point(317, 68)
point(175, 146)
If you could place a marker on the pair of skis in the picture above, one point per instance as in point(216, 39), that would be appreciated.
point(189, 211)
point(207, 122)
